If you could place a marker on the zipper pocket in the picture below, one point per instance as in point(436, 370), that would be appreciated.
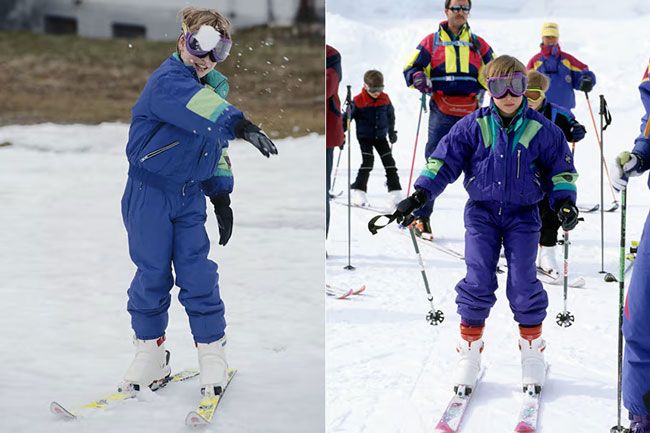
point(159, 151)
point(518, 161)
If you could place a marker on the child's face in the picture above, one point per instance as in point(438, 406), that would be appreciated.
point(535, 98)
point(373, 91)
point(202, 65)
point(508, 105)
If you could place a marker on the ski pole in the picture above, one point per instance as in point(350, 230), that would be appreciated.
point(608, 277)
point(621, 294)
point(604, 112)
point(348, 110)
point(336, 171)
point(565, 318)
point(435, 316)
point(423, 108)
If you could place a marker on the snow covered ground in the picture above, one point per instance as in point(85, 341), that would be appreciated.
point(387, 370)
point(65, 271)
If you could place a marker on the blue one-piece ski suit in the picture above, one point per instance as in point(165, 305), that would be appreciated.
point(177, 154)
point(636, 323)
point(506, 169)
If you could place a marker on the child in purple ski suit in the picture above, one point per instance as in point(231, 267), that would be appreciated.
point(507, 152)
point(636, 326)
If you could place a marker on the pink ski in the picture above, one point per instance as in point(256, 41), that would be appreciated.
point(453, 415)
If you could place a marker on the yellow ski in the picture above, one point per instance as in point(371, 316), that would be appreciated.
point(115, 398)
point(204, 412)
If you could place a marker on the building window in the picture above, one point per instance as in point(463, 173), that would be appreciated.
point(121, 30)
point(56, 25)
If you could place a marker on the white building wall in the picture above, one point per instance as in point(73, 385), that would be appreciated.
point(96, 17)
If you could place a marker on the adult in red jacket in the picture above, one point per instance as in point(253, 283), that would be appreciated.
point(446, 65)
point(333, 119)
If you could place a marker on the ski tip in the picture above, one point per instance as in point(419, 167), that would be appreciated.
point(522, 427)
point(193, 419)
point(443, 427)
point(60, 411)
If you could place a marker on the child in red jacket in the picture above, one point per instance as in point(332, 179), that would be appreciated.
point(375, 118)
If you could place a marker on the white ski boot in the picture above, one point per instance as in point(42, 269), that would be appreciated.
point(533, 366)
point(150, 367)
point(547, 262)
point(213, 366)
point(469, 365)
point(396, 196)
point(358, 197)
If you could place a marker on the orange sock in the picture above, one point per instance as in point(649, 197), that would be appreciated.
point(530, 334)
point(471, 333)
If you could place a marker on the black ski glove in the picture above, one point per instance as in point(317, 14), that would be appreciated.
point(567, 213)
point(250, 132)
point(577, 132)
point(223, 212)
point(586, 84)
point(406, 207)
point(392, 137)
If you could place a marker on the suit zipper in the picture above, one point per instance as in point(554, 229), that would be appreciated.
point(159, 151)
point(518, 161)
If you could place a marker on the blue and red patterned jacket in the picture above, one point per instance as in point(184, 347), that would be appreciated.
point(565, 72)
point(510, 165)
point(375, 117)
point(453, 64)
point(642, 143)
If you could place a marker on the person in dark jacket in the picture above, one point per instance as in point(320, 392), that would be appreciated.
point(636, 326)
point(538, 84)
point(508, 153)
point(333, 120)
point(565, 71)
point(446, 65)
point(375, 119)
point(180, 129)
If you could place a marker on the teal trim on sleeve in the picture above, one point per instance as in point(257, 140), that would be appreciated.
point(207, 104)
point(432, 168)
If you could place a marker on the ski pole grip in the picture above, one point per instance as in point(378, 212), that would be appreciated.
point(374, 227)
point(348, 97)
point(604, 110)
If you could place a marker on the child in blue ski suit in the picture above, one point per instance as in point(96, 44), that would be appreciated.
point(508, 152)
point(538, 84)
point(177, 153)
point(636, 326)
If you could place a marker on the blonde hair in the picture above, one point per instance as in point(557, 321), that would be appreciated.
point(537, 80)
point(503, 66)
point(194, 18)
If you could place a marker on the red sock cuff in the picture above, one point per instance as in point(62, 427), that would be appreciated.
point(471, 333)
point(530, 333)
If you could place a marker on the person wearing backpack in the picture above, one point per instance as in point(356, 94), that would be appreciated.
point(446, 65)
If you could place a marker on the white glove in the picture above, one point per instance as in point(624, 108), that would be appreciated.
point(625, 166)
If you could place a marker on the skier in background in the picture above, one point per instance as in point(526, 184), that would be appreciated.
point(375, 118)
point(447, 64)
point(333, 121)
point(503, 150)
point(180, 129)
point(636, 326)
point(565, 71)
point(538, 84)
